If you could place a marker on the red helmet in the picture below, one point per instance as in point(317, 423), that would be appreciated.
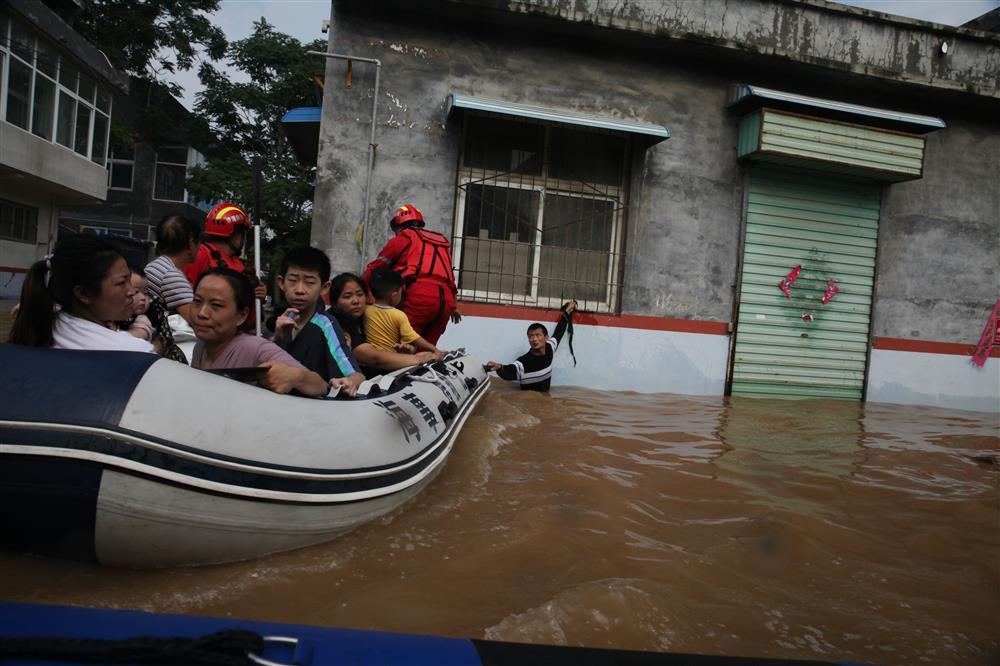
point(224, 218)
point(406, 214)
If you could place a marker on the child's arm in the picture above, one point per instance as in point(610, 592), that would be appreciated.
point(409, 336)
point(423, 345)
point(142, 328)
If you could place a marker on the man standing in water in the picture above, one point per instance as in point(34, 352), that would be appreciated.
point(534, 369)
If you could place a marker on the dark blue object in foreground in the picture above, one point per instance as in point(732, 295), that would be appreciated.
point(317, 645)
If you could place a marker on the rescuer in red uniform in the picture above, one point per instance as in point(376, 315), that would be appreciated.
point(226, 229)
point(423, 258)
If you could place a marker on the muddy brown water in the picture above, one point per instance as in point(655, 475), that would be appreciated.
point(810, 529)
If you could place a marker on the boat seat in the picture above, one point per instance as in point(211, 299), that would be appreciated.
point(92, 387)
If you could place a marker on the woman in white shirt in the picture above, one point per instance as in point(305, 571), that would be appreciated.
point(88, 279)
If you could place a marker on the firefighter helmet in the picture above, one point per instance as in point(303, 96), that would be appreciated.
point(406, 214)
point(224, 219)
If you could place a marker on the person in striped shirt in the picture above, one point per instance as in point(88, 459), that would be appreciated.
point(533, 371)
point(177, 246)
point(304, 330)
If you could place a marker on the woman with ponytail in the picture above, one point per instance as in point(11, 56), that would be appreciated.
point(71, 299)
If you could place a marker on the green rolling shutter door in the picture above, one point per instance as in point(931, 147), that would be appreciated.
point(827, 224)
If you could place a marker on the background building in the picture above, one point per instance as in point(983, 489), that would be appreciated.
point(56, 93)
point(863, 148)
point(147, 167)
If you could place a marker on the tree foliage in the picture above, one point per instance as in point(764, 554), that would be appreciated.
point(269, 73)
point(150, 38)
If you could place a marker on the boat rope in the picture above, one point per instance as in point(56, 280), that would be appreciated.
point(223, 648)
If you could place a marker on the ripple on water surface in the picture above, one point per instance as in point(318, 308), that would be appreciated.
point(822, 529)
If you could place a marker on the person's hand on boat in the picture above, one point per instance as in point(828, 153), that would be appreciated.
point(282, 378)
point(348, 385)
point(284, 324)
point(492, 366)
point(425, 357)
point(456, 316)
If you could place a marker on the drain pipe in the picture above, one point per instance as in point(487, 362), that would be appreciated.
point(371, 140)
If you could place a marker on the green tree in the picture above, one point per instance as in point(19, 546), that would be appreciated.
point(151, 38)
point(268, 73)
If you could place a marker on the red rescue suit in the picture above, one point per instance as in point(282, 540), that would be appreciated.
point(423, 258)
point(209, 257)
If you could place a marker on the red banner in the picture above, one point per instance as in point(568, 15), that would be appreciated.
point(990, 337)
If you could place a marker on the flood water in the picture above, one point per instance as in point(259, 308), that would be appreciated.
point(810, 529)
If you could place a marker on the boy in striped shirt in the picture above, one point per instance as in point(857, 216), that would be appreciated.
point(304, 330)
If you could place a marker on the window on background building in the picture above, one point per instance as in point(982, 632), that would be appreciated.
point(46, 95)
point(18, 222)
point(541, 213)
point(121, 168)
point(171, 173)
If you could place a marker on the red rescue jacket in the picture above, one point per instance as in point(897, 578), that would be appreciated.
point(417, 254)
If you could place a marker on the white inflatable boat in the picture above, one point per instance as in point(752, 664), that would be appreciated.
point(131, 460)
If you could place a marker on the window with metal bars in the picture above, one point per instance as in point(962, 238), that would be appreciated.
point(18, 222)
point(540, 213)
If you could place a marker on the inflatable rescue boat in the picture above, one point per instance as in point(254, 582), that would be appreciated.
point(132, 460)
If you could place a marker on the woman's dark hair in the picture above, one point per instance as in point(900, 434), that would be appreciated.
point(78, 261)
point(349, 324)
point(242, 290)
point(174, 232)
point(339, 282)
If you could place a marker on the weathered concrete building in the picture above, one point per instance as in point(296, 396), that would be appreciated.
point(678, 167)
point(56, 94)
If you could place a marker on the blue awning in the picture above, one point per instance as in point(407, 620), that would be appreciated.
point(301, 126)
point(741, 92)
point(657, 132)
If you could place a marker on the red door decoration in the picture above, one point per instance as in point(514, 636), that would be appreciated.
point(831, 291)
point(786, 283)
point(990, 337)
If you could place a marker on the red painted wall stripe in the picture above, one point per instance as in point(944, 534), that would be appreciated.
point(12, 269)
point(929, 347)
point(589, 319)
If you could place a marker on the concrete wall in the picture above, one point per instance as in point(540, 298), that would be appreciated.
point(939, 239)
point(810, 32)
point(73, 177)
point(18, 255)
point(609, 358)
point(938, 244)
point(682, 228)
point(938, 380)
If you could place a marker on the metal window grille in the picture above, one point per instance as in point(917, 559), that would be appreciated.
point(540, 213)
point(18, 222)
point(171, 174)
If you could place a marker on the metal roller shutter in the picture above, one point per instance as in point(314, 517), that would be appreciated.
point(828, 224)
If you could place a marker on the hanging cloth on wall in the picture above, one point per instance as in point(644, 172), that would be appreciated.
point(989, 338)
